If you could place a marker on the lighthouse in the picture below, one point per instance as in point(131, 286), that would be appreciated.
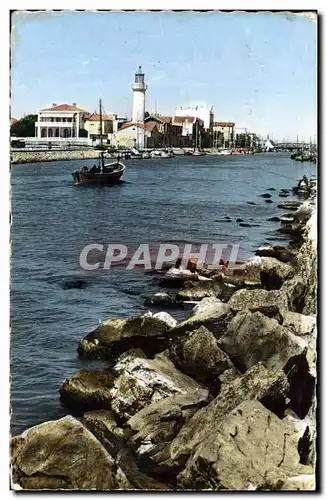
point(139, 87)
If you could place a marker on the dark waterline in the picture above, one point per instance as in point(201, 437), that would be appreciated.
point(175, 200)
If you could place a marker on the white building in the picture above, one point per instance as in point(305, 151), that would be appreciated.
point(92, 126)
point(131, 135)
point(139, 88)
point(204, 113)
point(63, 120)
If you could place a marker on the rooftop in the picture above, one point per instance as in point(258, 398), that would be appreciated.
point(223, 124)
point(96, 117)
point(131, 124)
point(64, 107)
point(182, 119)
point(150, 125)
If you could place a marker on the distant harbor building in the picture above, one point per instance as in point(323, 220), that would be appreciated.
point(223, 134)
point(204, 113)
point(131, 135)
point(61, 121)
point(139, 88)
point(92, 126)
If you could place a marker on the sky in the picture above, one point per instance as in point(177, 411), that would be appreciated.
point(258, 70)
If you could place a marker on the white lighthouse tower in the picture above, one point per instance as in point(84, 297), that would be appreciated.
point(139, 87)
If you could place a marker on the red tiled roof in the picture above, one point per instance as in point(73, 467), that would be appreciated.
point(131, 124)
point(182, 119)
point(223, 124)
point(96, 118)
point(150, 126)
point(13, 120)
point(165, 119)
point(64, 107)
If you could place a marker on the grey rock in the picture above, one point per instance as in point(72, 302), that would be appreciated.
point(160, 299)
point(215, 318)
point(156, 425)
point(103, 424)
point(300, 324)
point(268, 302)
point(126, 461)
point(88, 389)
point(257, 383)
point(294, 291)
point(283, 254)
point(63, 454)
point(203, 289)
point(114, 336)
point(198, 354)
point(250, 442)
point(142, 381)
point(289, 205)
point(252, 337)
point(274, 273)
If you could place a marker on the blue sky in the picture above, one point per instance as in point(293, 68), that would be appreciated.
point(259, 70)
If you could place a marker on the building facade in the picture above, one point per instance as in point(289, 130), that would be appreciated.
point(92, 126)
point(204, 113)
point(60, 121)
point(223, 134)
point(131, 135)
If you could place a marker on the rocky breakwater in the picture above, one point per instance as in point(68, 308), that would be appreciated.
point(224, 400)
point(42, 156)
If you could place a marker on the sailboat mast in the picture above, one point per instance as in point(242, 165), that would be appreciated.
point(100, 132)
point(100, 127)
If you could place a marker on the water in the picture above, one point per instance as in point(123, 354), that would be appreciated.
point(174, 200)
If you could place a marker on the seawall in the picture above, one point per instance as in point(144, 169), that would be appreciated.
point(42, 156)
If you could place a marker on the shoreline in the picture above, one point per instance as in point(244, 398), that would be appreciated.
point(173, 367)
point(25, 157)
point(17, 157)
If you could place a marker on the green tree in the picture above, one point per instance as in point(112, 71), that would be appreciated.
point(24, 127)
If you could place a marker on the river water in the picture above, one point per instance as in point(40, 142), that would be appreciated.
point(178, 200)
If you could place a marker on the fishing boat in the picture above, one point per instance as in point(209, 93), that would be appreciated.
point(225, 152)
point(103, 173)
point(197, 152)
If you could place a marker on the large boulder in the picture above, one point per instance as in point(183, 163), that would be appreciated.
point(103, 424)
point(177, 276)
point(142, 381)
point(63, 454)
point(126, 461)
point(253, 337)
point(149, 332)
point(161, 299)
point(281, 253)
point(277, 480)
point(211, 313)
point(294, 291)
point(156, 425)
point(202, 289)
point(290, 205)
point(268, 302)
point(300, 324)
point(88, 389)
point(237, 455)
point(198, 354)
point(257, 383)
point(274, 273)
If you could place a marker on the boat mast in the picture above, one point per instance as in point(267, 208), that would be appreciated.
point(100, 132)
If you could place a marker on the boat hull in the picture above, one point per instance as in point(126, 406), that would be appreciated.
point(98, 178)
